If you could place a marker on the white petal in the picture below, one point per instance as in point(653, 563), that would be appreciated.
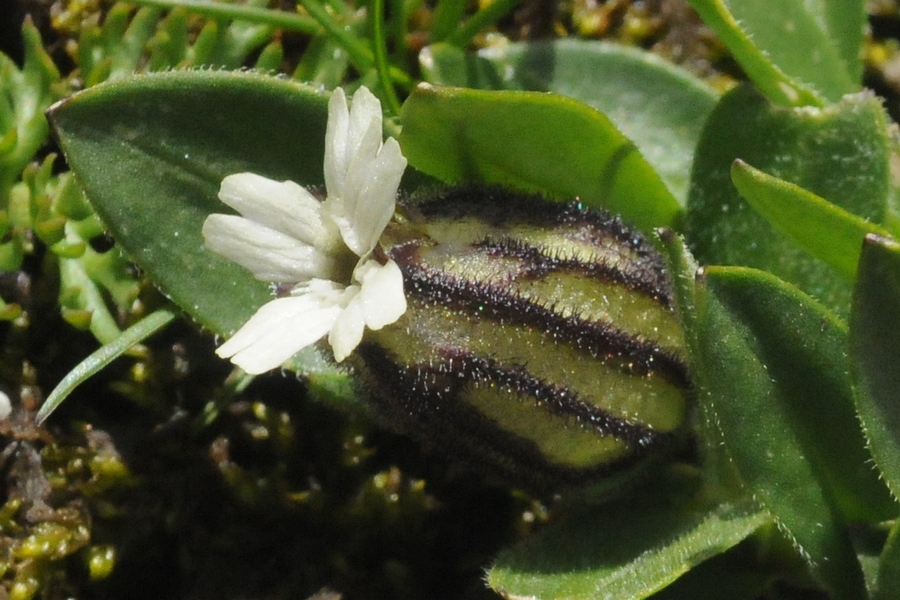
point(348, 329)
point(381, 296)
point(278, 330)
point(370, 196)
point(281, 205)
point(365, 132)
point(365, 113)
point(349, 134)
point(327, 290)
point(268, 254)
point(336, 139)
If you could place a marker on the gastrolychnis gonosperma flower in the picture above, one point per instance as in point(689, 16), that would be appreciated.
point(538, 339)
point(317, 254)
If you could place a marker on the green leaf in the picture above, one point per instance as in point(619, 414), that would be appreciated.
point(535, 142)
point(888, 582)
point(102, 357)
point(26, 94)
point(824, 230)
point(841, 153)
point(875, 352)
point(803, 53)
point(657, 105)
point(446, 18)
point(629, 548)
point(750, 571)
point(803, 348)
point(81, 294)
point(719, 470)
point(774, 378)
point(150, 155)
point(323, 62)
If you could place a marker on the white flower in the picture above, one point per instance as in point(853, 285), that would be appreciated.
point(287, 237)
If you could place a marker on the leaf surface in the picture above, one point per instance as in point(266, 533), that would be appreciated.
point(659, 106)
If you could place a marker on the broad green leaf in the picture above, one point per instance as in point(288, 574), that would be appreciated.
point(802, 53)
point(150, 154)
point(824, 230)
point(629, 548)
point(657, 105)
point(875, 351)
point(841, 153)
point(751, 409)
point(775, 381)
point(536, 142)
point(804, 350)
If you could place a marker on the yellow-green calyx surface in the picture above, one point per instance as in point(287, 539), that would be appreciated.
point(539, 343)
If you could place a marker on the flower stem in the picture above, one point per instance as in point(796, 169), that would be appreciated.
point(483, 18)
point(381, 62)
point(361, 56)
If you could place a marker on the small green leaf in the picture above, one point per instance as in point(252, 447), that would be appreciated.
point(804, 53)
point(534, 142)
point(80, 295)
point(842, 153)
point(11, 255)
point(324, 62)
point(51, 230)
point(629, 548)
point(824, 230)
point(270, 58)
point(875, 352)
point(657, 105)
point(26, 93)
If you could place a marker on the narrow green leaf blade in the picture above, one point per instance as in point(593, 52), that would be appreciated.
point(657, 105)
point(535, 142)
point(841, 153)
point(824, 230)
point(875, 352)
point(102, 357)
point(630, 548)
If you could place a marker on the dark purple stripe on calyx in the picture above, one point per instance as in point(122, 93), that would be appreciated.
point(485, 300)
